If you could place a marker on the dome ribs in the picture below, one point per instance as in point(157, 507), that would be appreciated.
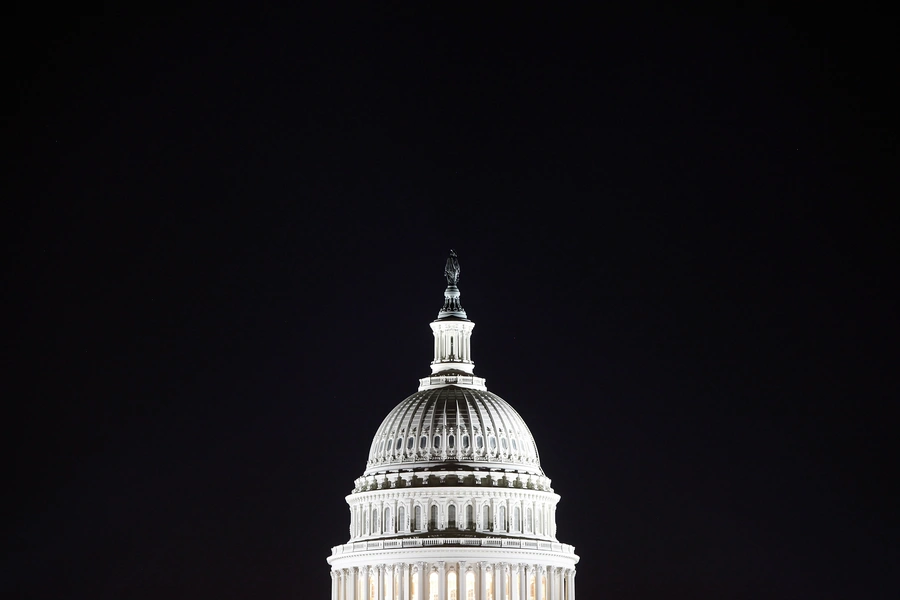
point(463, 412)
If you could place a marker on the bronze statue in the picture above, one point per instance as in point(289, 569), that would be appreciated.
point(451, 271)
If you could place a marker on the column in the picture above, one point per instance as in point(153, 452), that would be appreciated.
point(461, 589)
point(538, 589)
point(551, 587)
point(503, 569)
point(420, 586)
point(379, 593)
point(523, 582)
point(351, 588)
point(571, 576)
point(482, 582)
point(404, 582)
point(442, 580)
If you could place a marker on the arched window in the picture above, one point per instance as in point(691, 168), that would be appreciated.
point(388, 526)
point(470, 586)
point(452, 594)
point(410, 442)
point(470, 517)
point(417, 522)
point(437, 442)
point(465, 442)
point(423, 442)
point(401, 518)
point(451, 441)
point(433, 519)
point(501, 519)
point(539, 520)
point(516, 524)
point(486, 517)
point(374, 520)
point(529, 522)
point(433, 586)
point(451, 517)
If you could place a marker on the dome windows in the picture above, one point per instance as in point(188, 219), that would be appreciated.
point(451, 441)
point(503, 444)
point(423, 442)
point(493, 442)
point(410, 443)
point(437, 442)
point(465, 442)
point(479, 442)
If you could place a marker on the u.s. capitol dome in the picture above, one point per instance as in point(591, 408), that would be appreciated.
point(453, 504)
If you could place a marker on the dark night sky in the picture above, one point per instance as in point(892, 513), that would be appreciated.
point(225, 240)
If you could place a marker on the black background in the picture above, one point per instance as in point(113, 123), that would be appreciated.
point(225, 240)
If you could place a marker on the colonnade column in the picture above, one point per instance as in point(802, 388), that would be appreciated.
point(442, 580)
point(379, 593)
point(461, 589)
point(571, 586)
point(404, 582)
point(538, 588)
point(483, 582)
point(504, 575)
point(552, 594)
point(420, 586)
point(523, 582)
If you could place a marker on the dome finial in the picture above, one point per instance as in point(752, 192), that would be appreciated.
point(451, 270)
point(452, 306)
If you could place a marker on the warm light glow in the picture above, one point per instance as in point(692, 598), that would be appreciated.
point(433, 586)
point(470, 586)
point(489, 579)
point(451, 586)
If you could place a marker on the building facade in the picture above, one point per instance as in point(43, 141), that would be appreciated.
point(453, 504)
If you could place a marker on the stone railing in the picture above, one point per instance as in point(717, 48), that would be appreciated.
point(469, 542)
point(441, 380)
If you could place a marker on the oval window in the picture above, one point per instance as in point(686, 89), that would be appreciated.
point(466, 442)
point(503, 443)
point(399, 444)
point(410, 443)
point(437, 441)
point(479, 442)
point(514, 444)
point(451, 442)
point(493, 443)
point(381, 447)
point(423, 441)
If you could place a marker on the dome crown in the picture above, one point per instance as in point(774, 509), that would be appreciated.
point(453, 420)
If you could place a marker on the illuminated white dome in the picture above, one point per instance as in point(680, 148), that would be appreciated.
point(453, 504)
point(454, 425)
